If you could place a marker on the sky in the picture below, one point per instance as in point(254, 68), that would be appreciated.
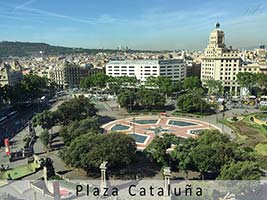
point(138, 24)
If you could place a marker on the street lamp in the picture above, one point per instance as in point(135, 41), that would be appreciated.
point(134, 125)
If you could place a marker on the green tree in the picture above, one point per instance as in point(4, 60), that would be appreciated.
point(45, 138)
point(205, 159)
point(193, 103)
point(247, 80)
point(126, 99)
point(98, 80)
point(163, 84)
point(116, 84)
point(46, 119)
point(78, 128)
point(214, 87)
point(182, 155)
point(150, 99)
point(191, 83)
point(157, 148)
point(77, 108)
point(245, 170)
point(34, 85)
point(89, 151)
point(261, 82)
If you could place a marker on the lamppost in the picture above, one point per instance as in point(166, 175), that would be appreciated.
point(134, 125)
point(103, 169)
point(167, 183)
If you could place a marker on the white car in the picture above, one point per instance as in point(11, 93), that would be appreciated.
point(263, 103)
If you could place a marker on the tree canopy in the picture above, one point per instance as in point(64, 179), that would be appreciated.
point(77, 108)
point(157, 148)
point(245, 170)
point(46, 119)
point(89, 151)
point(211, 152)
point(214, 87)
point(193, 103)
point(77, 128)
point(252, 81)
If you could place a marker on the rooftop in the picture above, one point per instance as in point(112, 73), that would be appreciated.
point(148, 62)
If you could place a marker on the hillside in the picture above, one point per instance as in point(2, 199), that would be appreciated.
point(28, 49)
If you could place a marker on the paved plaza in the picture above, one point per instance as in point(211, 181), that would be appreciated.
point(143, 129)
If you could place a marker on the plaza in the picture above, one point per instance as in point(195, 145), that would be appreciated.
point(144, 128)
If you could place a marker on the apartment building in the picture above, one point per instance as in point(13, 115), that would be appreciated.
point(69, 75)
point(223, 64)
point(10, 74)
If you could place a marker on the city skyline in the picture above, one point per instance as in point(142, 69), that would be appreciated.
point(154, 25)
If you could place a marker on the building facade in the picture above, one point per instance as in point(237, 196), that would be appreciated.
point(223, 64)
point(69, 75)
point(10, 74)
point(142, 69)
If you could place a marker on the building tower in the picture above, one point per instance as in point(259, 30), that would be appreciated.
point(219, 62)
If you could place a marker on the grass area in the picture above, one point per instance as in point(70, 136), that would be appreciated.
point(261, 148)
point(19, 171)
point(249, 133)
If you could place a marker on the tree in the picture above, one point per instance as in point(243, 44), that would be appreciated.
point(89, 151)
point(163, 84)
point(209, 137)
point(157, 148)
point(45, 138)
point(77, 128)
point(46, 119)
point(245, 170)
point(150, 99)
point(191, 83)
point(34, 85)
point(261, 82)
point(178, 86)
point(192, 103)
point(182, 155)
point(116, 84)
point(246, 79)
point(214, 87)
point(77, 108)
point(205, 159)
point(96, 80)
point(127, 99)
point(15, 94)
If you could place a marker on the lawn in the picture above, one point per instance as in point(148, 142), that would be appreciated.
point(250, 134)
point(261, 148)
point(19, 171)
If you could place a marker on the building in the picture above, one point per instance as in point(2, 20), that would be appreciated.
point(69, 75)
point(223, 64)
point(10, 74)
point(142, 69)
point(193, 69)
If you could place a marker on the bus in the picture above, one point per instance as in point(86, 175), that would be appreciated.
point(12, 114)
point(3, 119)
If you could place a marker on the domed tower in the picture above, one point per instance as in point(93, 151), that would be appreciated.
point(216, 39)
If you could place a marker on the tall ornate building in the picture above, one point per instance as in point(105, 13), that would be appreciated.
point(223, 64)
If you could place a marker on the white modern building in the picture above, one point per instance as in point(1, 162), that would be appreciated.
point(175, 69)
